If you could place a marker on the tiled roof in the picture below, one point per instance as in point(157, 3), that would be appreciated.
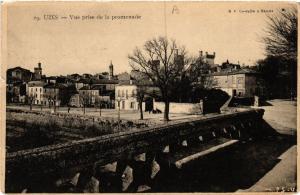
point(36, 83)
point(105, 81)
point(233, 72)
point(55, 86)
point(98, 81)
point(18, 68)
point(97, 87)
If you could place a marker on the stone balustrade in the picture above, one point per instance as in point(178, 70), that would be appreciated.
point(77, 161)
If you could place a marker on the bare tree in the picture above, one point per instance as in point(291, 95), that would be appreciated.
point(281, 43)
point(281, 34)
point(31, 99)
point(164, 62)
point(98, 103)
point(84, 99)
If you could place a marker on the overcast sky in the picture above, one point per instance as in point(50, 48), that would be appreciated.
point(67, 46)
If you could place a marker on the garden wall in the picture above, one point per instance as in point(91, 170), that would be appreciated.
point(179, 108)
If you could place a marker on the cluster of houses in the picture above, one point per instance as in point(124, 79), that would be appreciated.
point(114, 91)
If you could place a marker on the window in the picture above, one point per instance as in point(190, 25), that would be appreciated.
point(40, 90)
point(122, 93)
point(240, 80)
point(35, 89)
point(126, 93)
point(131, 104)
point(119, 93)
point(233, 79)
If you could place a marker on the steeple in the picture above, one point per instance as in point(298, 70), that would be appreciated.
point(111, 70)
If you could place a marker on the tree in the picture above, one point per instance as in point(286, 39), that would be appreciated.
point(85, 99)
point(31, 99)
point(98, 103)
point(280, 41)
point(281, 34)
point(165, 63)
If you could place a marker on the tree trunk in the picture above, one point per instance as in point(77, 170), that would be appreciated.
point(166, 113)
point(141, 110)
point(100, 109)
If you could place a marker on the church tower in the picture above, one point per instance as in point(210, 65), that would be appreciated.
point(111, 71)
point(38, 72)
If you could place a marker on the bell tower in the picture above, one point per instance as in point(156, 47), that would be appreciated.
point(111, 71)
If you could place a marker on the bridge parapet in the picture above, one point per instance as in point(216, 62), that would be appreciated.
point(122, 147)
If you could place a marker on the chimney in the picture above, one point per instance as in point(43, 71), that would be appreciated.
point(40, 65)
point(214, 54)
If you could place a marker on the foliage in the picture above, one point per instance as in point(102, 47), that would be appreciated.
point(44, 129)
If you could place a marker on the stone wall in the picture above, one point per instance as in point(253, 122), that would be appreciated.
point(79, 155)
point(178, 108)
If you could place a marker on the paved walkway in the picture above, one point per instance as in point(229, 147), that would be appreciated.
point(282, 116)
point(281, 178)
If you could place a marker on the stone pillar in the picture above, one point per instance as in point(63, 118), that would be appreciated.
point(121, 166)
point(87, 182)
point(256, 101)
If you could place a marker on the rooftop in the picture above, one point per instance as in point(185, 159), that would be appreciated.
point(233, 72)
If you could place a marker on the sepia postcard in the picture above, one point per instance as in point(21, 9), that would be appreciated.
point(149, 97)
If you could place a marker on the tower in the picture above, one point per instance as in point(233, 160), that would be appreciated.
point(111, 71)
point(38, 72)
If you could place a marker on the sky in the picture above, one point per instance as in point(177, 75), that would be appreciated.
point(67, 46)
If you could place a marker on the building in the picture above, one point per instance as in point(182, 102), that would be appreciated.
point(208, 58)
point(75, 101)
point(16, 93)
point(107, 85)
point(88, 95)
point(126, 99)
point(38, 72)
point(237, 82)
point(55, 94)
point(127, 94)
point(18, 74)
point(36, 92)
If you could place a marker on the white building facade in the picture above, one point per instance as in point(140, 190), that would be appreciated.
point(125, 97)
point(36, 92)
